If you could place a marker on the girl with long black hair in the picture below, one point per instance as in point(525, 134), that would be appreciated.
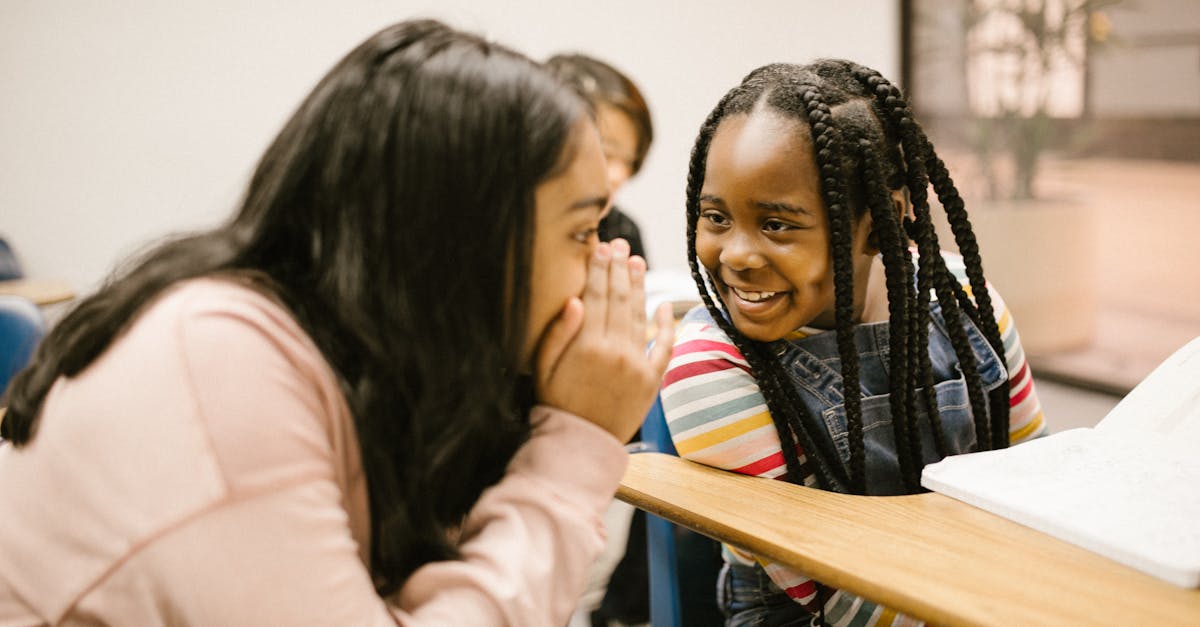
point(371, 396)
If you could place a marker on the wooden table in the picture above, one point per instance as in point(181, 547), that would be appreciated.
point(40, 291)
point(926, 555)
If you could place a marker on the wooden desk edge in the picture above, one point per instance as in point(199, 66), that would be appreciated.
point(41, 291)
point(1141, 596)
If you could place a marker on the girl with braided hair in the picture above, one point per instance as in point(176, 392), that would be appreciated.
point(838, 347)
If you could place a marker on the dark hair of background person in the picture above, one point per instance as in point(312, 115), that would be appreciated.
point(414, 286)
point(601, 83)
point(867, 144)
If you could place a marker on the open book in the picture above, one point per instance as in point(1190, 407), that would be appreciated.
point(1128, 489)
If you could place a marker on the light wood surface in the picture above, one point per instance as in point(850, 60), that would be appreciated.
point(40, 291)
point(926, 555)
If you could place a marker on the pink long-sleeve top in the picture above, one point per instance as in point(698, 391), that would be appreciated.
point(205, 471)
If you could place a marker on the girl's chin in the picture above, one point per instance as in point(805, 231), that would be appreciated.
point(759, 331)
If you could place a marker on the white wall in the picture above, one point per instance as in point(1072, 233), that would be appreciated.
point(122, 121)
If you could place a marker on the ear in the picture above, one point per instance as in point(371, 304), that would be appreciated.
point(869, 239)
point(866, 241)
point(901, 203)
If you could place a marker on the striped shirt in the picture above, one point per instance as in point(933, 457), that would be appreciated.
point(717, 416)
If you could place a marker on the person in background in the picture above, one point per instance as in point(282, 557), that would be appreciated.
point(838, 347)
point(626, 130)
point(367, 398)
point(10, 266)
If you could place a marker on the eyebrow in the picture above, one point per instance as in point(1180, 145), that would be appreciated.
point(598, 202)
point(783, 207)
point(780, 207)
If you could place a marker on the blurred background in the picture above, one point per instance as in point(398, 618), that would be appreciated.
point(1073, 130)
point(124, 120)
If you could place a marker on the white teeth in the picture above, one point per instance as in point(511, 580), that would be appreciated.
point(753, 297)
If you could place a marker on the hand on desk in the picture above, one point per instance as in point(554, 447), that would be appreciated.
point(593, 360)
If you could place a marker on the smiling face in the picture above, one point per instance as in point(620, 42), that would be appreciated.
point(568, 210)
point(763, 234)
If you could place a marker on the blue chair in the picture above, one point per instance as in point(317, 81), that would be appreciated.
point(21, 328)
point(683, 564)
point(665, 608)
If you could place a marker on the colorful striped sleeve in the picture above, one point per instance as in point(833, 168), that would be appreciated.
point(1025, 418)
point(715, 412)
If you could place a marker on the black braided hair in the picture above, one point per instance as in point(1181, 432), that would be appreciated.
point(866, 145)
point(921, 158)
point(901, 300)
point(827, 143)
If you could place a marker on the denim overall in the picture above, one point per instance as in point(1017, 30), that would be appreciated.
point(745, 593)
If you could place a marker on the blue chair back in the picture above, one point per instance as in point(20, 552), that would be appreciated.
point(665, 608)
point(21, 328)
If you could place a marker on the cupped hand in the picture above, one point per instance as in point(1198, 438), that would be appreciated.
point(593, 360)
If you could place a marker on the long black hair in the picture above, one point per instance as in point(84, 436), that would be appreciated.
point(867, 145)
point(394, 216)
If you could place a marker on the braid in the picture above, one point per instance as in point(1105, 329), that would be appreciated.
point(827, 145)
point(919, 155)
point(948, 289)
point(929, 250)
point(765, 367)
point(899, 287)
point(900, 123)
point(967, 245)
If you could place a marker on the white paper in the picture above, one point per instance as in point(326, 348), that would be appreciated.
point(1128, 489)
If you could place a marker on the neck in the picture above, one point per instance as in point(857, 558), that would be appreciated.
point(875, 303)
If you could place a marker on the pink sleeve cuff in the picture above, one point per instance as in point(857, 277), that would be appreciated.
point(583, 462)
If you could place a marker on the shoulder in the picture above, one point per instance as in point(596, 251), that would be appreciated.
point(703, 360)
point(255, 321)
point(246, 378)
point(212, 393)
point(263, 390)
point(957, 267)
point(212, 298)
point(713, 406)
point(954, 263)
point(698, 339)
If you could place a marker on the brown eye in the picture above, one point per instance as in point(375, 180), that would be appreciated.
point(586, 236)
point(715, 218)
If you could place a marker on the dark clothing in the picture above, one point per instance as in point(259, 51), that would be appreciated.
point(618, 224)
point(10, 268)
point(698, 561)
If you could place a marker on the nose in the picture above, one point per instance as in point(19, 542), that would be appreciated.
point(741, 252)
